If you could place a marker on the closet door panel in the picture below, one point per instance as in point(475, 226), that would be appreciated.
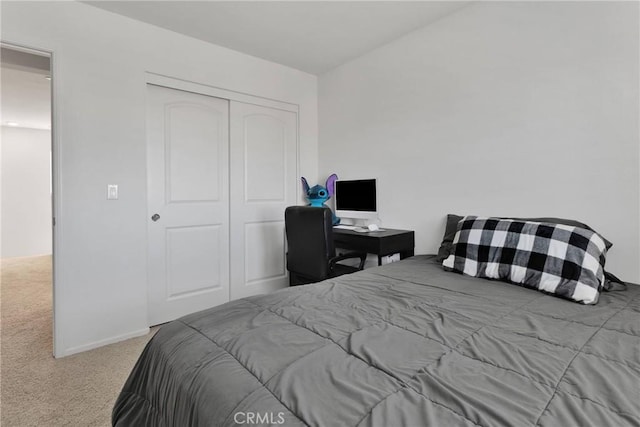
point(265, 152)
point(188, 202)
point(263, 178)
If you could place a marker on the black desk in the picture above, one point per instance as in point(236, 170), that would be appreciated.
point(381, 243)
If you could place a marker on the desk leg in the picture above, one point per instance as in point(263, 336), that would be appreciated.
point(406, 254)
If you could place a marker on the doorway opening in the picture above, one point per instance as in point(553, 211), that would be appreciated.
point(27, 201)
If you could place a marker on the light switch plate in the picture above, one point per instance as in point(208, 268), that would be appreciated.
point(112, 192)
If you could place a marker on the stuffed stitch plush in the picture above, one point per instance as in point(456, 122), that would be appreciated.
point(318, 195)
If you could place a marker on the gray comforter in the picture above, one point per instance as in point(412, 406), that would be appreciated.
point(406, 344)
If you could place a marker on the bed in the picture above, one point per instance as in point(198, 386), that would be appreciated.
point(406, 344)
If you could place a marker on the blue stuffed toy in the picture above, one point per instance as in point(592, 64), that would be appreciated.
point(318, 195)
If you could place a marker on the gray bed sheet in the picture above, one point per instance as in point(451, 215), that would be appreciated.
point(406, 344)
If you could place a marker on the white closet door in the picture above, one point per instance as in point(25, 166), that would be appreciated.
point(188, 202)
point(263, 183)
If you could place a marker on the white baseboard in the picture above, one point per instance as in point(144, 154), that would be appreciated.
point(102, 343)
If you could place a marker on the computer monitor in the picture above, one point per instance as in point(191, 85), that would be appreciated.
point(356, 199)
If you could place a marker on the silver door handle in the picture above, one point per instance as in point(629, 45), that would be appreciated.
point(155, 217)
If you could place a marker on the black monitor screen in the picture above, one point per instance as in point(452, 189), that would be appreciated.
point(357, 195)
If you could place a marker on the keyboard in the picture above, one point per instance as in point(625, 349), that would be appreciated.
point(346, 227)
point(355, 228)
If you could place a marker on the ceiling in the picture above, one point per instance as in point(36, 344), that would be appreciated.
point(312, 36)
point(25, 90)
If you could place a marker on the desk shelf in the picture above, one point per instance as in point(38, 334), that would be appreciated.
point(381, 243)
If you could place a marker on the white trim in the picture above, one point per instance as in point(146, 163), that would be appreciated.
point(25, 49)
point(56, 207)
point(101, 343)
point(203, 89)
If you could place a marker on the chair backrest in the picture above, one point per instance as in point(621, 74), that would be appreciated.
point(310, 240)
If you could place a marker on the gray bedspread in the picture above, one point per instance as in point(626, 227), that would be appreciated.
point(406, 344)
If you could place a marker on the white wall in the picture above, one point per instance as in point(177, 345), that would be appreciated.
point(502, 108)
point(99, 65)
point(26, 192)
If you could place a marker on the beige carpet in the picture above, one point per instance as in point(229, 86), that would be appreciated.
point(36, 389)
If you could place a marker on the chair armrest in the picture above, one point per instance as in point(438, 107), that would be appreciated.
point(349, 255)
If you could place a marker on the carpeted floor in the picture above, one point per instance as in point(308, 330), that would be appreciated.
point(36, 389)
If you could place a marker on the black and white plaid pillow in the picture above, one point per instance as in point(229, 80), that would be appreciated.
point(560, 259)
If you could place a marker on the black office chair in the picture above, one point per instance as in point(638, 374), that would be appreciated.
point(311, 256)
